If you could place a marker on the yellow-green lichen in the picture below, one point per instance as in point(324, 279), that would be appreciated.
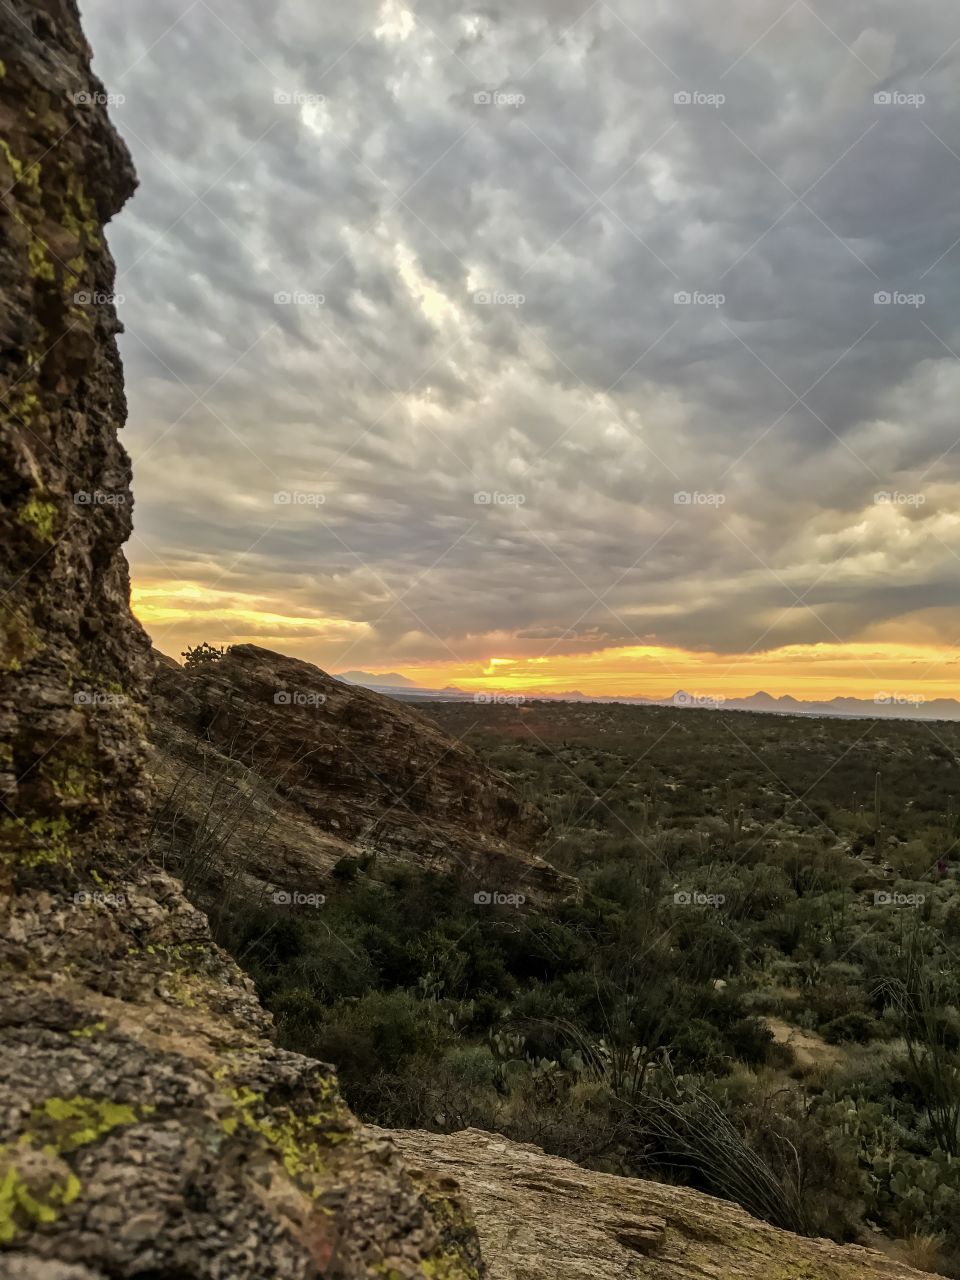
point(71, 779)
point(76, 267)
point(18, 641)
point(88, 1032)
point(34, 1184)
point(80, 215)
point(23, 404)
point(63, 1124)
point(455, 1225)
point(297, 1140)
point(26, 176)
point(449, 1265)
point(34, 844)
point(16, 166)
point(24, 1204)
point(182, 986)
point(41, 264)
point(40, 516)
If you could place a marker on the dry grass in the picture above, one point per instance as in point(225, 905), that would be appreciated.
point(924, 1252)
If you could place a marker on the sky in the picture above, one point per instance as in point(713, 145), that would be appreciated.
point(610, 347)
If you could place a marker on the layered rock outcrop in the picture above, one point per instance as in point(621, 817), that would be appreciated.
point(147, 1127)
point(269, 765)
point(541, 1218)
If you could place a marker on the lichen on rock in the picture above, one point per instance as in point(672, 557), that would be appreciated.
point(149, 1127)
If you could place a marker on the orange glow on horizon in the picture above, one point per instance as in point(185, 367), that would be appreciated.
point(182, 613)
point(811, 672)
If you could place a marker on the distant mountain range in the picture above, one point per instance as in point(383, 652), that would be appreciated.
point(387, 680)
point(886, 705)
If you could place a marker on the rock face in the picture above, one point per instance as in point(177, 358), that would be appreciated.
point(541, 1218)
point(69, 648)
point(282, 771)
point(147, 1129)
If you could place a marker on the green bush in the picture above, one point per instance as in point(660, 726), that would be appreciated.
point(858, 1027)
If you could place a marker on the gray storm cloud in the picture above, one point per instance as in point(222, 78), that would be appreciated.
point(580, 259)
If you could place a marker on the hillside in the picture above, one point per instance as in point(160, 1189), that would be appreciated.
point(272, 769)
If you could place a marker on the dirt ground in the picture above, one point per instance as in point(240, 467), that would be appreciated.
point(809, 1049)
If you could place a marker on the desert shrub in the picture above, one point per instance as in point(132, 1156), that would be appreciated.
point(379, 1034)
point(750, 1040)
point(474, 1065)
point(346, 869)
point(698, 1046)
point(855, 1026)
point(828, 1003)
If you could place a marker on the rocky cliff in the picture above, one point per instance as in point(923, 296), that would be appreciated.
point(270, 766)
point(148, 1128)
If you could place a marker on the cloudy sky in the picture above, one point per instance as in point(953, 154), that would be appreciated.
point(608, 346)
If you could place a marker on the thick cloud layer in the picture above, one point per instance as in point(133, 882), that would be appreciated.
point(581, 259)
